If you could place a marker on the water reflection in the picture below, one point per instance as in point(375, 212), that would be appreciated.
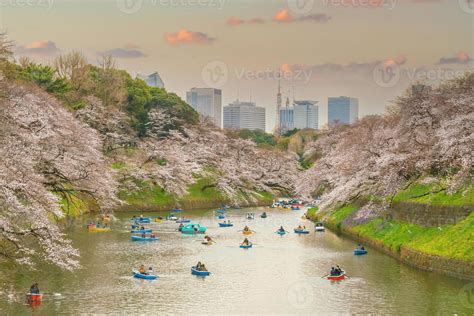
point(277, 275)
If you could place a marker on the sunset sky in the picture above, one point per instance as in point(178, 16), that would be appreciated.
point(369, 49)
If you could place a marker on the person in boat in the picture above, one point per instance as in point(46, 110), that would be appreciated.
point(246, 242)
point(360, 247)
point(143, 235)
point(281, 229)
point(142, 228)
point(180, 227)
point(141, 216)
point(338, 270)
point(246, 228)
point(142, 269)
point(198, 266)
point(203, 268)
point(34, 289)
point(207, 238)
point(152, 236)
point(333, 271)
point(150, 271)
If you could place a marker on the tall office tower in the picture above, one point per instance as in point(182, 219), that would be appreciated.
point(207, 102)
point(306, 114)
point(344, 110)
point(238, 115)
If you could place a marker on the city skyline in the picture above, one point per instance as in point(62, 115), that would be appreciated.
point(325, 49)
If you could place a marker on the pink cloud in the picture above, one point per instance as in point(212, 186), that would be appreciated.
point(188, 37)
point(38, 48)
point(284, 16)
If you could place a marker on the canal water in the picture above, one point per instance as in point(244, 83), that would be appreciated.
point(279, 275)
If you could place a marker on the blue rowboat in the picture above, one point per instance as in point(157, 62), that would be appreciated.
point(221, 217)
point(183, 220)
point(138, 275)
point(301, 231)
point(281, 233)
point(193, 229)
point(177, 210)
point(360, 252)
point(142, 220)
point(139, 238)
point(225, 225)
point(246, 246)
point(194, 271)
point(136, 231)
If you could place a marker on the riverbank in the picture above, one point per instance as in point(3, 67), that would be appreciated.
point(435, 243)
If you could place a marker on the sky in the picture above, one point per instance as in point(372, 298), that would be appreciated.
point(368, 49)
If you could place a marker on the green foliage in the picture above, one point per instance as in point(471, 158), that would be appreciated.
point(142, 98)
point(452, 241)
point(118, 165)
point(44, 76)
point(291, 133)
point(258, 136)
point(435, 194)
point(148, 195)
point(341, 213)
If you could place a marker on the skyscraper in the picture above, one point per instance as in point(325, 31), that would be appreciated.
point(207, 102)
point(344, 110)
point(153, 80)
point(238, 115)
point(278, 120)
point(306, 114)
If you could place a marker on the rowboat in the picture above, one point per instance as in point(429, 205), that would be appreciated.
point(136, 231)
point(264, 215)
point(31, 297)
point(340, 277)
point(360, 252)
point(157, 220)
point(139, 238)
point(247, 232)
point(183, 220)
point(142, 219)
point(193, 229)
point(220, 216)
point(95, 229)
point(301, 231)
point(225, 225)
point(246, 246)
point(281, 232)
point(138, 275)
point(319, 227)
point(177, 210)
point(200, 273)
point(207, 242)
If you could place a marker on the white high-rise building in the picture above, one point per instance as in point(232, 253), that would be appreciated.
point(306, 114)
point(239, 115)
point(153, 80)
point(343, 110)
point(207, 102)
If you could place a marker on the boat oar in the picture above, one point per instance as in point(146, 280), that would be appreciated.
point(325, 275)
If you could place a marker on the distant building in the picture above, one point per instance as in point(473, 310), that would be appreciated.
point(238, 115)
point(343, 110)
point(303, 114)
point(306, 114)
point(207, 102)
point(153, 80)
